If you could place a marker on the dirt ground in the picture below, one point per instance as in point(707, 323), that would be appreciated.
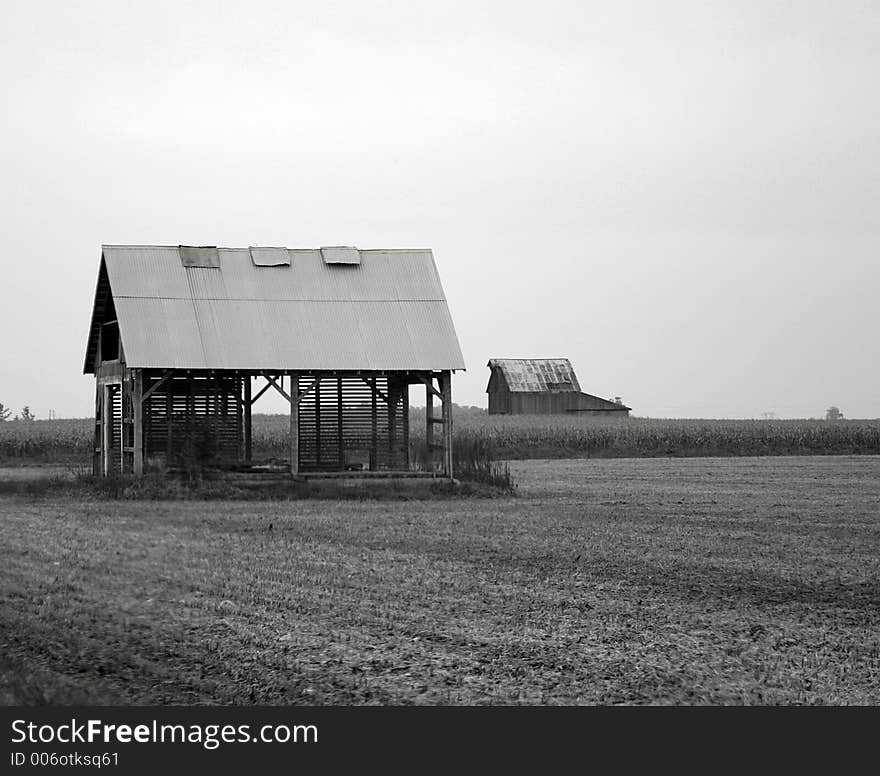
point(624, 581)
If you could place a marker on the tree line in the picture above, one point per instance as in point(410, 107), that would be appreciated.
point(26, 413)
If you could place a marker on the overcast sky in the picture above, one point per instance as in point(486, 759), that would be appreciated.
point(683, 198)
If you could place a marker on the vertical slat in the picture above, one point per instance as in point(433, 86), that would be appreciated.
point(446, 394)
point(121, 428)
point(211, 402)
point(429, 424)
point(294, 423)
point(239, 415)
point(248, 429)
point(106, 421)
point(374, 423)
point(98, 435)
point(317, 390)
point(169, 417)
point(340, 447)
point(392, 416)
point(404, 401)
point(137, 418)
point(190, 408)
point(355, 421)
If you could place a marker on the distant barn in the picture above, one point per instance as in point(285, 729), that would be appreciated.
point(542, 386)
point(183, 341)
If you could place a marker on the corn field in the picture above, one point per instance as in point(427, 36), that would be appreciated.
point(557, 436)
point(513, 437)
point(47, 441)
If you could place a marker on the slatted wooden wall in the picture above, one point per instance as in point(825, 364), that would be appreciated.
point(344, 424)
point(198, 417)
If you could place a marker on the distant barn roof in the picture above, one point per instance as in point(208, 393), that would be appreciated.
point(241, 308)
point(537, 374)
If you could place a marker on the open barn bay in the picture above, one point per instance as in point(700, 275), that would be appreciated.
point(702, 580)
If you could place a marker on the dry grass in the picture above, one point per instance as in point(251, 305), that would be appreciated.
point(628, 581)
point(51, 482)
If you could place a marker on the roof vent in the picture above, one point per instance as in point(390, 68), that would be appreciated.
point(341, 255)
point(203, 256)
point(270, 257)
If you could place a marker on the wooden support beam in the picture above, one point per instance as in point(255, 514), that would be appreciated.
point(430, 386)
point(106, 420)
point(446, 391)
point(247, 404)
point(262, 390)
point(190, 407)
point(122, 428)
point(374, 425)
point(367, 475)
point(429, 426)
point(98, 435)
point(294, 423)
point(238, 389)
point(339, 435)
point(307, 391)
point(371, 382)
point(156, 386)
point(407, 447)
point(169, 417)
point(392, 420)
point(318, 425)
point(137, 416)
point(280, 389)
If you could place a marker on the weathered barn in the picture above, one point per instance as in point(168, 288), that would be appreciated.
point(540, 386)
point(184, 340)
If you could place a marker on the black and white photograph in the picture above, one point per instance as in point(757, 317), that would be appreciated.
point(466, 354)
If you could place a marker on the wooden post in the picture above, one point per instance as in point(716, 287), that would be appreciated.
point(318, 422)
point(429, 425)
point(294, 423)
point(246, 409)
point(169, 417)
point(106, 421)
point(137, 419)
point(239, 416)
point(122, 409)
point(98, 431)
point(374, 421)
point(446, 393)
point(190, 406)
point(407, 446)
point(339, 447)
point(392, 421)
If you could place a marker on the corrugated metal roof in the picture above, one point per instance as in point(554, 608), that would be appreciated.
point(388, 313)
point(537, 374)
point(381, 276)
